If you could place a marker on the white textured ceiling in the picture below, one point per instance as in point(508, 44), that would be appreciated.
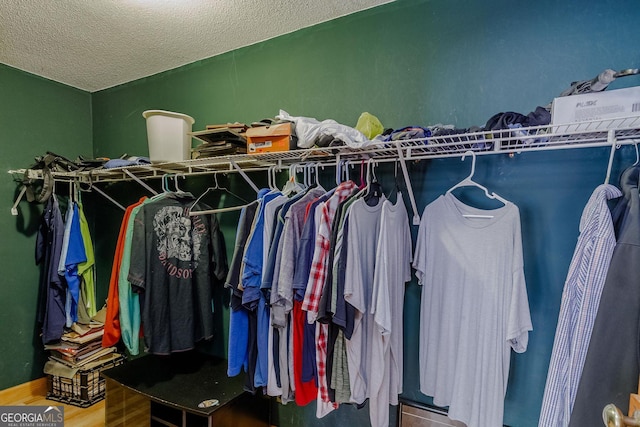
point(97, 44)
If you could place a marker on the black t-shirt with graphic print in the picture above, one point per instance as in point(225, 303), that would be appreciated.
point(176, 260)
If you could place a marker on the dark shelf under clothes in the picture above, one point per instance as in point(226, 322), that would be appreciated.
point(173, 386)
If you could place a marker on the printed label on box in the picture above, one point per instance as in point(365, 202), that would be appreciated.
point(255, 146)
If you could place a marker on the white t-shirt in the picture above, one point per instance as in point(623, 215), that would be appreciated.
point(392, 271)
point(474, 307)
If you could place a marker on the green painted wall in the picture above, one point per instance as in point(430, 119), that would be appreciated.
point(422, 62)
point(410, 62)
point(36, 115)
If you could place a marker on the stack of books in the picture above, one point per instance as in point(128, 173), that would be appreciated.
point(80, 345)
point(76, 349)
point(218, 140)
point(75, 362)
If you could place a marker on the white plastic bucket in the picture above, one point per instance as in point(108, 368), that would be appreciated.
point(168, 135)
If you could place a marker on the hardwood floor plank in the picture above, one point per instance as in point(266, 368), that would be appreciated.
point(34, 393)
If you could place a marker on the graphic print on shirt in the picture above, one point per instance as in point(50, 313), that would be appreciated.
point(177, 240)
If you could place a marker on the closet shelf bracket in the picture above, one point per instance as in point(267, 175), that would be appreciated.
point(105, 195)
point(611, 139)
point(403, 165)
point(139, 181)
point(244, 175)
point(14, 208)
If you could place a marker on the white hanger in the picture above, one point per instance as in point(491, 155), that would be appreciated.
point(316, 171)
point(271, 178)
point(312, 179)
point(165, 183)
point(371, 164)
point(342, 171)
point(371, 179)
point(338, 172)
point(219, 210)
point(175, 181)
point(292, 184)
point(305, 175)
point(469, 182)
point(367, 181)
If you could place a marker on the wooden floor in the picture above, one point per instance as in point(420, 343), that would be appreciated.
point(33, 394)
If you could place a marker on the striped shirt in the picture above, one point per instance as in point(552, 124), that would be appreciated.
point(316, 281)
point(579, 306)
point(322, 245)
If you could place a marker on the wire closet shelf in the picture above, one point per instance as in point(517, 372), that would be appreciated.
point(597, 133)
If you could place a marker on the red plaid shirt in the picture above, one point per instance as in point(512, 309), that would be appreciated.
point(316, 279)
point(321, 251)
point(322, 331)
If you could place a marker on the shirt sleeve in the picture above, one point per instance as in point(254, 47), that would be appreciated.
point(112, 334)
point(287, 263)
point(251, 271)
point(354, 277)
point(317, 272)
point(519, 323)
point(137, 269)
point(419, 256)
point(219, 266)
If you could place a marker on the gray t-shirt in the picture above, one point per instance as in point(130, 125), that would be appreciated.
point(362, 241)
point(282, 302)
point(474, 307)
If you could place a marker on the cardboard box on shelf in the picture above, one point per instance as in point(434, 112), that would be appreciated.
point(269, 139)
point(617, 108)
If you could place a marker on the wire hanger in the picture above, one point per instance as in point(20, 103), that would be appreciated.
point(226, 190)
point(469, 182)
point(219, 210)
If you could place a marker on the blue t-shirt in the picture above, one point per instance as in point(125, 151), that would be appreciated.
point(75, 255)
point(252, 273)
point(239, 316)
